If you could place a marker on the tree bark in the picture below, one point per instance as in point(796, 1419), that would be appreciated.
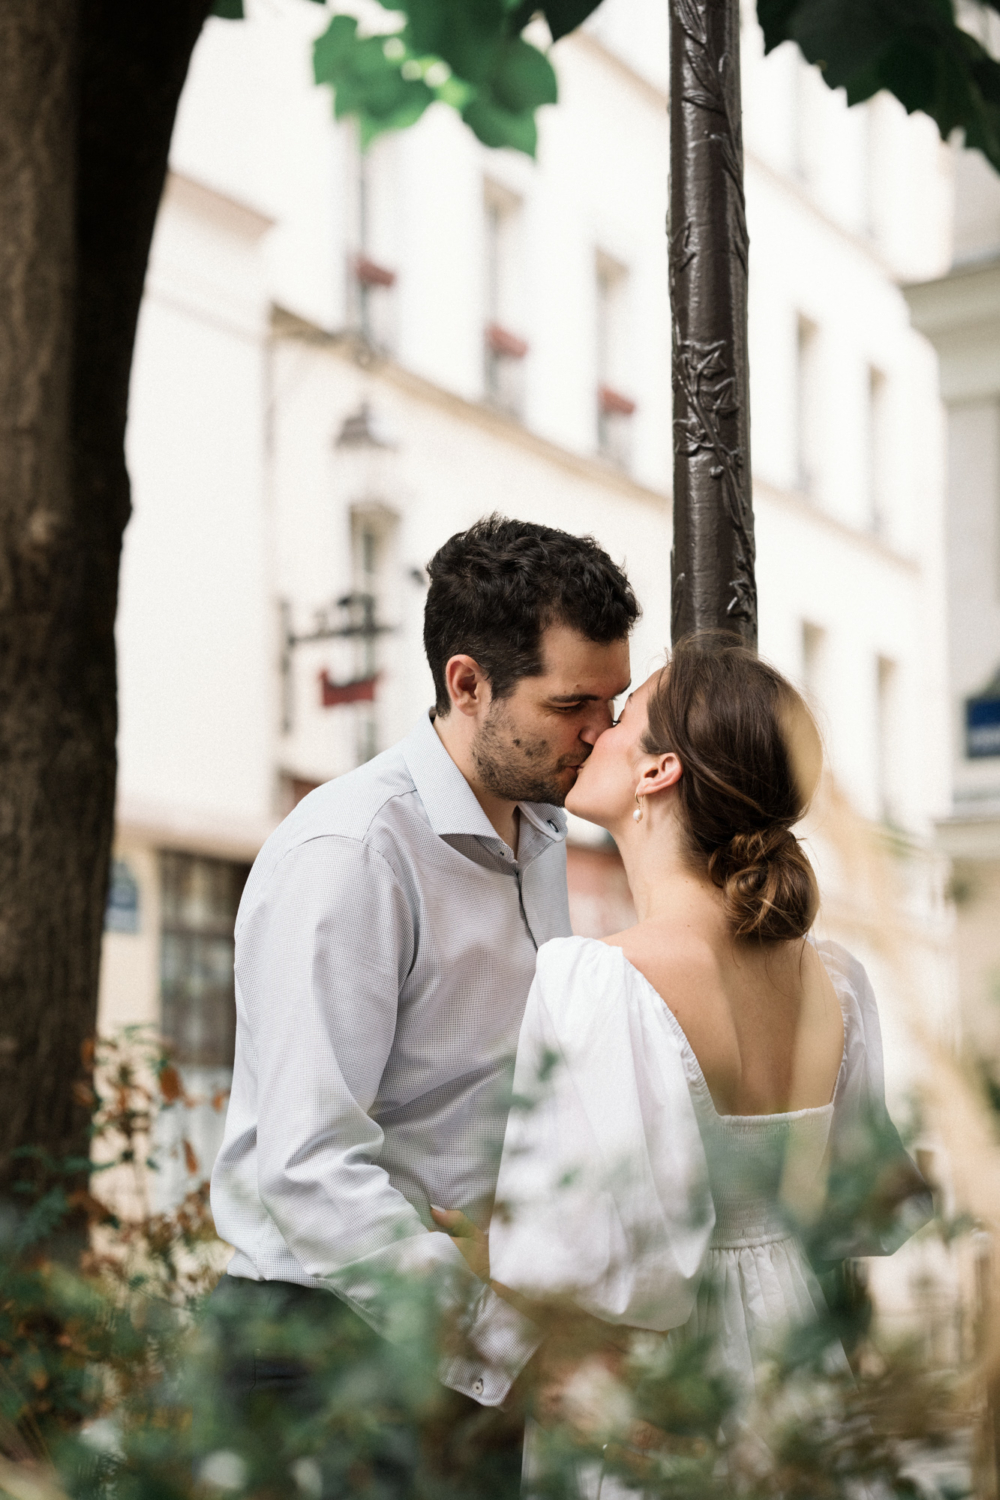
point(86, 114)
point(712, 566)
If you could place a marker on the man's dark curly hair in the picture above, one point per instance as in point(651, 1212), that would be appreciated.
point(496, 587)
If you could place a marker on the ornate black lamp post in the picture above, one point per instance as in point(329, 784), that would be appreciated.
point(712, 568)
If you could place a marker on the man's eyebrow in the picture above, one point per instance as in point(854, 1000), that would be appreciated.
point(582, 697)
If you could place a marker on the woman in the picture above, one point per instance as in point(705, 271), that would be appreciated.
point(696, 1080)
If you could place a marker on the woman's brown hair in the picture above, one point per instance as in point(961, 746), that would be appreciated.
point(751, 756)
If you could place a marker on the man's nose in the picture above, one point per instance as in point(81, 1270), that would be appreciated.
point(597, 722)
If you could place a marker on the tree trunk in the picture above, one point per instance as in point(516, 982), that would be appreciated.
point(86, 113)
point(712, 567)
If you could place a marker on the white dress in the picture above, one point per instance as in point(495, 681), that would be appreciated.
point(622, 1186)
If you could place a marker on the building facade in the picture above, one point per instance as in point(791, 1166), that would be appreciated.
point(344, 359)
point(960, 314)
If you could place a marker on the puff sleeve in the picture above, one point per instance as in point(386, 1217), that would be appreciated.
point(603, 1191)
point(876, 1197)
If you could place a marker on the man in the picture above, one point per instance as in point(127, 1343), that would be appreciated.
point(385, 945)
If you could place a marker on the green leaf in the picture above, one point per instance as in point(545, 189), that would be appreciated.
point(406, 113)
point(492, 76)
point(498, 127)
point(229, 10)
point(563, 16)
point(523, 79)
point(330, 50)
point(382, 99)
point(913, 48)
point(456, 92)
point(466, 34)
point(366, 82)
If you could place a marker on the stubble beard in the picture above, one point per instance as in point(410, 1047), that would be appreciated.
point(518, 767)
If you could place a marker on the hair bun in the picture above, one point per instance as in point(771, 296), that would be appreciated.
point(767, 884)
point(750, 754)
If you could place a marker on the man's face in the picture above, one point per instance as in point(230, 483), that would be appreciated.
point(531, 744)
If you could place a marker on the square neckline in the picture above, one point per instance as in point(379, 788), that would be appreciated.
point(689, 1052)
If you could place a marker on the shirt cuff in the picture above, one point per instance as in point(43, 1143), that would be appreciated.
point(496, 1342)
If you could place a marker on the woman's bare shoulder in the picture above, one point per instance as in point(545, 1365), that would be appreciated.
point(669, 955)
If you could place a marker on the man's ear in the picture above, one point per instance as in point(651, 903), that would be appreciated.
point(468, 685)
point(660, 773)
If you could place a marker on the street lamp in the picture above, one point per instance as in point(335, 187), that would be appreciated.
point(367, 457)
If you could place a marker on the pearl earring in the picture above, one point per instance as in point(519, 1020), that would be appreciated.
point(637, 815)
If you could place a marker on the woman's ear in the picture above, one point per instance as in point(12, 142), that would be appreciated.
point(660, 774)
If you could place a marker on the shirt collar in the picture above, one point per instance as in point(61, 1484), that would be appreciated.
point(449, 801)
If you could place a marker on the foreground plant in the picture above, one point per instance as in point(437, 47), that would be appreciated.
point(111, 1377)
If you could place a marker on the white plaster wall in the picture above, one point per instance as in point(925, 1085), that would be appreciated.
point(636, 32)
point(798, 266)
point(875, 174)
point(870, 603)
point(977, 207)
point(194, 653)
point(252, 125)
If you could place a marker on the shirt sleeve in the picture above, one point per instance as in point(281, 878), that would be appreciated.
point(603, 1191)
point(321, 959)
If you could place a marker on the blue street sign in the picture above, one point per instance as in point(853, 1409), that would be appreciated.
point(982, 727)
point(122, 911)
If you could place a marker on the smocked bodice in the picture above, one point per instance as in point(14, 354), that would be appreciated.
point(755, 1166)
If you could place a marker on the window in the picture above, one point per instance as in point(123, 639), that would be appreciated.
point(807, 407)
point(372, 532)
point(371, 277)
point(886, 710)
point(870, 162)
point(876, 456)
point(614, 407)
point(813, 662)
point(504, 347)
point(199, 898)
point(807, 121)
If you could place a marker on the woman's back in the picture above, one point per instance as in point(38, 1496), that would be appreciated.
point(762, 1019)
point(623, 1186)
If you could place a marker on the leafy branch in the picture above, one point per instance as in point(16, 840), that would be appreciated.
point(915, 49)
point(471, 55)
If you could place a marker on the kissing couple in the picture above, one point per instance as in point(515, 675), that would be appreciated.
point(405, 967)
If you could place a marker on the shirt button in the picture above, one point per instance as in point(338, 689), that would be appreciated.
point(478, 1386)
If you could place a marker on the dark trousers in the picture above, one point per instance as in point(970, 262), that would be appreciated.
point(316, 1402)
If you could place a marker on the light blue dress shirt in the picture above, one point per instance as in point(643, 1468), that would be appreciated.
point(385, 947)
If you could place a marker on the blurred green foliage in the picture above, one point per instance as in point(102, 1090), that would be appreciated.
point(115, 1375)
point(915, 49)
point(466, 53)
point(471, 54)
